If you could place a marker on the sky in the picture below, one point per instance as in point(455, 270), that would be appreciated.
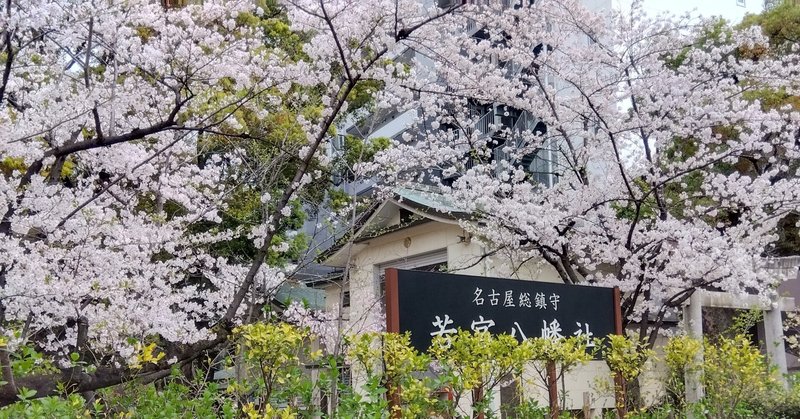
point(729, 9)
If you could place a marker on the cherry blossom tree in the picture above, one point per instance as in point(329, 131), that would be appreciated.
point(641, 121)
point(115, 188)
point(101, 113)
point(115, 191)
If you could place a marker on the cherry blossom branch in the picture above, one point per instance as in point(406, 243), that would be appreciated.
point(63, 121)
point(118, 179)
point(69, 148)
point(8, 35)
point(336, 40)
point(109, 185)
point(406, 32)
point(86, 68)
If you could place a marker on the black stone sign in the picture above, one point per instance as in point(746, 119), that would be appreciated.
point(429, 304)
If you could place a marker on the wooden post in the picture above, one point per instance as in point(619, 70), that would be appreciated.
point(587, 405)
point(617, 311)
point(392, 326)
point(392, 304)
point(477, 397)
point(394, 401)
point(552, 389)
point(621, 388)
point(620, 395)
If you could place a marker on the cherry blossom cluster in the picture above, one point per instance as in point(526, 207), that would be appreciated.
point(670, 173)
point(105, 170)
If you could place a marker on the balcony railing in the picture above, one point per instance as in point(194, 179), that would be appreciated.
point(485, 124)
point(525, 122)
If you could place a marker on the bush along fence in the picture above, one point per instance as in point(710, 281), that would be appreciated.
point(280, 376)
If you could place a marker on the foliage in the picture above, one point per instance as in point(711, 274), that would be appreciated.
point(357, 151)
point(743, 322)
point(175, 397)
point(563, 354)
point(679, 357)
point(778, 403)
point(172, 398)
point(737, 381)
point(626, 356)
point(73, 406)
point(26, 360)
point(734, 371)
point(478, 362)
point(389, 360)
point(781, 24)
point(274, 354)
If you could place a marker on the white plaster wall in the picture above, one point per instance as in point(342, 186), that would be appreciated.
point(365, 304)
point(593, 377)
point(333, 299)
point(468, 259)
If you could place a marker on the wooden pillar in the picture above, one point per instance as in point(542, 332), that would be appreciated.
point(392, 326)
point(587, 405)
point(552, 389)
point(477, 396)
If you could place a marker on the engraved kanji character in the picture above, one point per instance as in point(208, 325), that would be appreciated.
point(493, 297)
point(508, 300)
point(478, 300)
point(525, 299)
point(539, 301)
point(442, 325)
point(587, 333)
point(552, 330)
point(521, 333)
point(481, 325)
point(554, 299)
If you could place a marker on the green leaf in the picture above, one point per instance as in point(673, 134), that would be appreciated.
point(26, 393)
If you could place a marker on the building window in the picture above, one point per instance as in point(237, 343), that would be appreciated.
point(429, 262)
point(434, 267)
point(346, 298)
point(345, 376)
point(337, 143)
point(345, 381)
